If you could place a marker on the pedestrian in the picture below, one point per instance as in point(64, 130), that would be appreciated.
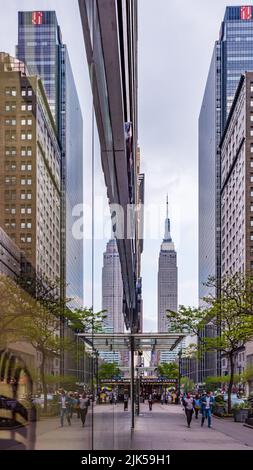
point(150, 401)
point(125, 401)
point(188, 406)
point(64, 407)
point(115, 398)
point(196, 405)
point(206, 403)
point(77, 404)
point(84, 403)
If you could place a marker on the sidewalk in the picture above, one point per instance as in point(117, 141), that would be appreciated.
point(163, 428)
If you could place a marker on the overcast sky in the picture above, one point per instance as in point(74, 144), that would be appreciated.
point(175, 46)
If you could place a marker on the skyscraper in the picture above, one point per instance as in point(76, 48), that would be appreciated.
point(231, 57)
point(167, 285)
point(40, 46)
point(112, 289)
point(237, 198)
point(29, 169)
point(112, 297)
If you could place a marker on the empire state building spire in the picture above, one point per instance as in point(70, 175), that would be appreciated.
point(167, 236)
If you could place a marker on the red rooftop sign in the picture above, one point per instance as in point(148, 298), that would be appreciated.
point(37, 17)
point(246, 13)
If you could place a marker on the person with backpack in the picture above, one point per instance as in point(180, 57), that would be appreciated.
point(196, 405)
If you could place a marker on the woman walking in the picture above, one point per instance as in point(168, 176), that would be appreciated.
point(188, 406)
point(196, 405)
point(84, 403)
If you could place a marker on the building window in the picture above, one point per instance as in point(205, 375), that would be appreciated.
point(23, 91)
point(10, 91)
point(29, 91)
point(10, 122)
point(23, 122)
point(29, 136)
point(11, 106)
point(10, 135)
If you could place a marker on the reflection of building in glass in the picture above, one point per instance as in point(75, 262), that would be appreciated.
point(232, 55)
point(112, 297)
point(30, 173)
point(112, 59)
point(10, 256)
point(40, 47)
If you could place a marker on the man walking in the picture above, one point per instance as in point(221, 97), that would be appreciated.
point(125, 401)
point(65, 403)
point(206, 402)
point(188, 406)
point(150, 402)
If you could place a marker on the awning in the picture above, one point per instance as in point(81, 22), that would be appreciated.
point(140, 341)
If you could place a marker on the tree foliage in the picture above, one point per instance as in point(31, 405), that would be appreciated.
point(108, 370)
point(229, 316)
point(169, 370)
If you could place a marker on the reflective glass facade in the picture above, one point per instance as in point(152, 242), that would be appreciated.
point(40, 47)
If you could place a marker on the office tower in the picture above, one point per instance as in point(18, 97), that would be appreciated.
point(112, 58)
point(167, 285)
point(112, 297)
point(232, 55)
point(29, 169)
point(112, 289)
point(237, 197)
point(40, 46)
point(30, 182)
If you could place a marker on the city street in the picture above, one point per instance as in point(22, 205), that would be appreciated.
point(164, 428)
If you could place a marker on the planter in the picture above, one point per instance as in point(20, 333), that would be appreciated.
point(219, 410)
point(241, 415)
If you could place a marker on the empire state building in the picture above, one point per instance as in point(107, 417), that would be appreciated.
point(167, 278)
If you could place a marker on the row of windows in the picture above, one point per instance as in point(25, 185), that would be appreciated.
point(23, 224)
point(12, 91)
point(13, 167)
point(12, 135)
point(23, 122)
point(12, 106)
point(23, 209)
point(12, 180)
point(12, 151)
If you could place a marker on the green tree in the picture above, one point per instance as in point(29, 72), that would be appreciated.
point(169, 370)
point(187, 384)
point(108, 370)
point(235, 327)
point(50, 312)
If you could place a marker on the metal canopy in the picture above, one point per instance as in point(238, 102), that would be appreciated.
point(140, 341)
